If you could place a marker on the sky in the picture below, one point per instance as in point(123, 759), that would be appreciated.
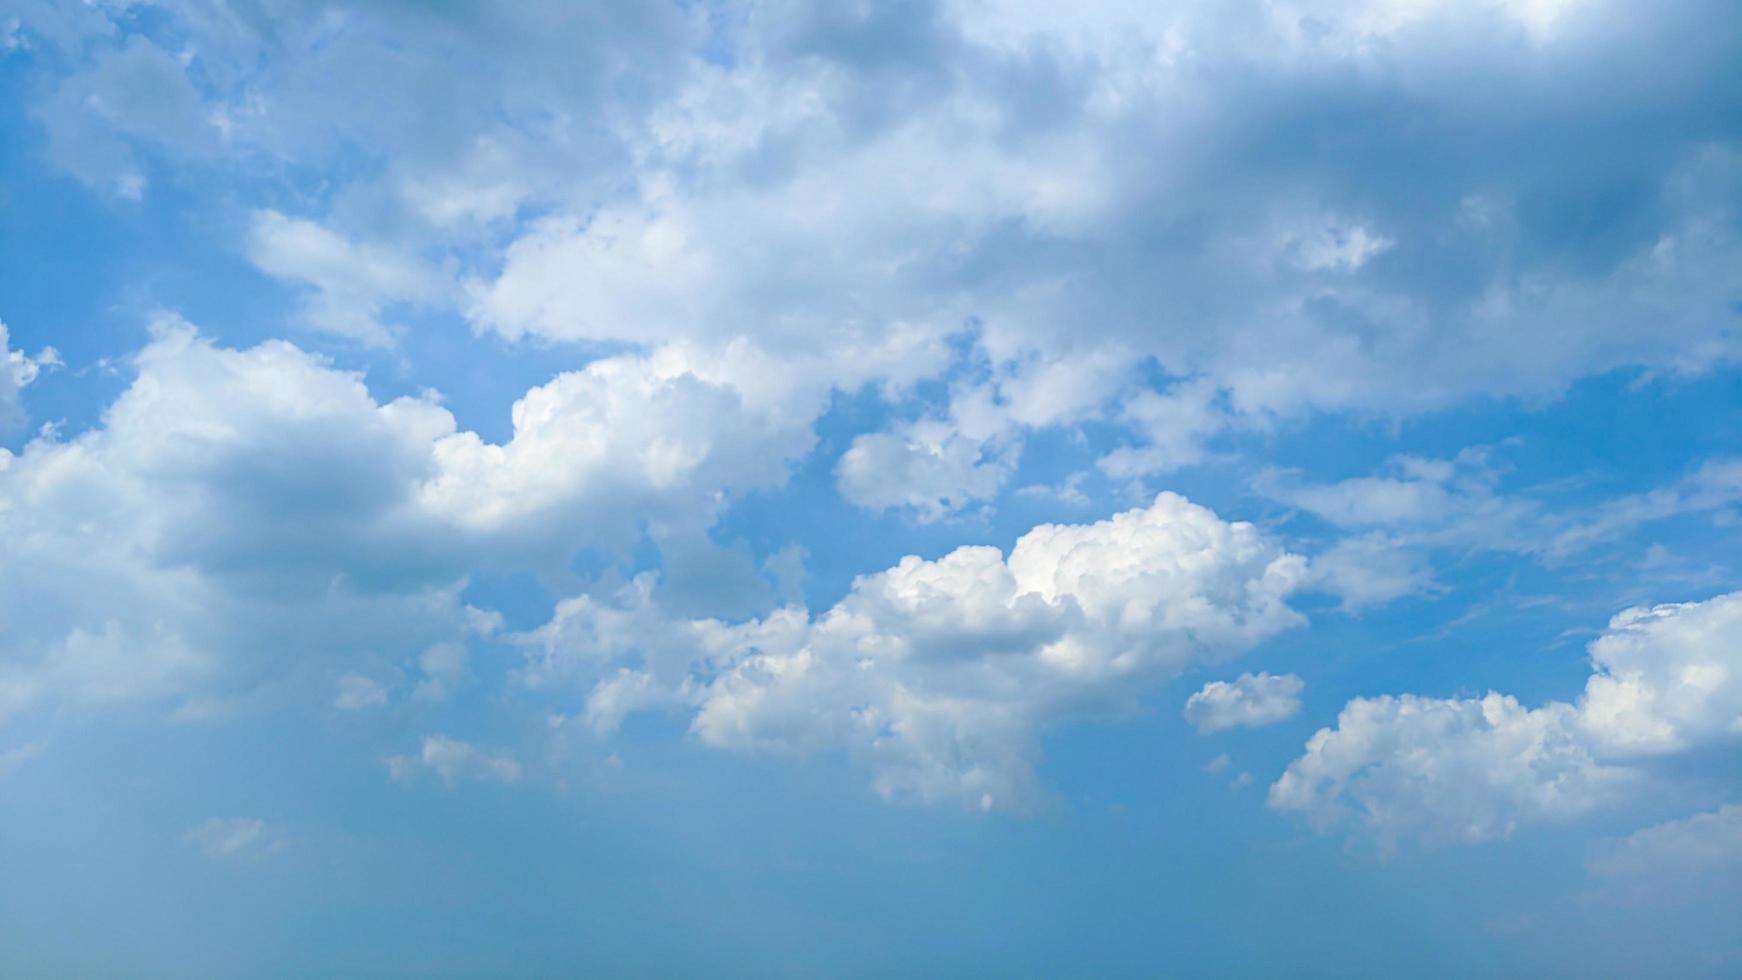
point(935, 487)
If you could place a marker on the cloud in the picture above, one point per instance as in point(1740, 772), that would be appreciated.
point(1714, 487)
point(235, 838)
point(935, 474)
point(353, 283)
point(1248, 206)
point(453, 761)
point(1372, 569)
point(1010, 180)
point(1395, 521)
point(939, 674)
point(1416, 502)
point(17, 371)
point(1447, 770)
point(130, 93)
point(1179, 220)
point(263, 500)
point(280, 90)
point(1249, 701)
point(1173, 427)
point(935, 467)
point(1665, 680)
point(1703, 844)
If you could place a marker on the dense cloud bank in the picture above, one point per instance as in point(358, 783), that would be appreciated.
point(1280, 209)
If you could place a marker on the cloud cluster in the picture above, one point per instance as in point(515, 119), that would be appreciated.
point(939, 674)
point(1665, 680)
point(1168, 221)
point(1186, 217)
point(238, 513)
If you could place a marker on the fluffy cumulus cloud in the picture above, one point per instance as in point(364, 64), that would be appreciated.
point(938, 674)
point(1248, 701)
point(1665, 680)
point(263, 500)
point(935, 466)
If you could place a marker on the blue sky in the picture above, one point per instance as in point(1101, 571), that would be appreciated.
point(850, 489)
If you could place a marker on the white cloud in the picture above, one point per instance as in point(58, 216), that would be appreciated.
point(130, 92)
point(17, 371)
point(1090, 196)
point(926, 466)
point(938, 675)
point(1371, 569)
point(849, 234)
point(1398, 518)
point(1713, 488)
point(1665, 680)
point(1080, 192)
point(658, 436)
point(353, 283)
point(1173, 425)
point(1703, 844)
point(228, 494)
point(235, 838)
point(1447, 769)
point(453, 760)
point(1249, 701)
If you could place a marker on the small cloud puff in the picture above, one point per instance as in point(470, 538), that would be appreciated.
point(453, 760)
point(1249, 701)
point(17, 371)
